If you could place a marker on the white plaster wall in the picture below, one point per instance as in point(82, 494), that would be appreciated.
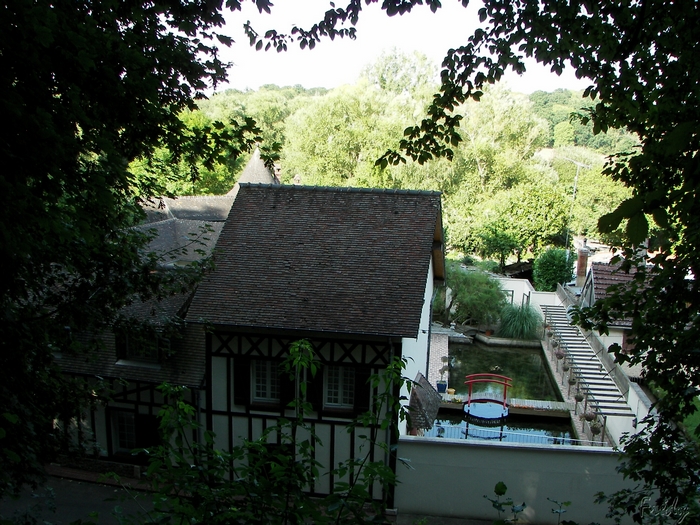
point(640, 404)
point(616, 335)
point(218, 383)
point(101, 429)
point(450, 477)
point(416, 350)
point(544, 298)
point(520, 288)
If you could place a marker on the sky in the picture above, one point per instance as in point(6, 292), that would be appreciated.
point(334, 63)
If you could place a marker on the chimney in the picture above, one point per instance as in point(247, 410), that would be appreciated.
point(582, 264)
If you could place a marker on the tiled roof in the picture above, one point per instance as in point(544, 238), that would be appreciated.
point(185, 366)
point(256, 172)
point(178, 240)
point(350, 261)
point(208, 208)
point(424, 404)
point(603, 276)
point(158, 312)
point(606, 275)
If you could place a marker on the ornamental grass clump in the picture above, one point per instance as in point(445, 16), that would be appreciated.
point(520, 322)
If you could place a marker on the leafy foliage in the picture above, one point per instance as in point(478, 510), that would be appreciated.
point(86, 88)
point(500, 505)
point(553, 267)
point(474, 298)
point(520, 322)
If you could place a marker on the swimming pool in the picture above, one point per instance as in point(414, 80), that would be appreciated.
point(514, 429)
point(526, 366)
point(531, 380)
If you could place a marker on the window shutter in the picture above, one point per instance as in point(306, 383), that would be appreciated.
point(363, 393)
point(314, 389)
point(146, 427)
point(286, 387)
point(241, 381)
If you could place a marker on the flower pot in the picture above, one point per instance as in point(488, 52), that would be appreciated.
point(441, 387)
point(451, 391)
point(578, 397)
point(596, 429)
point(559, 355)
point(589, 416)
point(572, 381)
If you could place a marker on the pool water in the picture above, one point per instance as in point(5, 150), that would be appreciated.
point(513, 429)
point(531, 380)
point(526, 366)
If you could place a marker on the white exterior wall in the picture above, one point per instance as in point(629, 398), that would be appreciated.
point(521, 288)
point(544, 298)
point(416, 350)
point(450, 477)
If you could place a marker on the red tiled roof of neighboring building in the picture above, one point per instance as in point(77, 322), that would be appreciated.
point(351, 261)
point(606, 275)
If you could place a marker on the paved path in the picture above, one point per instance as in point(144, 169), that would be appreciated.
point(76, 495)
point(62, 501)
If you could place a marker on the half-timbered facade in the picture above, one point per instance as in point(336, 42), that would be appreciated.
point(351, 271)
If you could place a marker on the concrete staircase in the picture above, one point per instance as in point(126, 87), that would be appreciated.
point(603, 392)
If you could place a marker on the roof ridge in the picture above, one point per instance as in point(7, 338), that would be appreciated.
point(340, 189)
point(178, 197)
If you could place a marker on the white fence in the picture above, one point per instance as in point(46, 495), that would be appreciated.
point(450, 478)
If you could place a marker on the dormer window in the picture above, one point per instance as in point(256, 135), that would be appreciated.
point(147, 346)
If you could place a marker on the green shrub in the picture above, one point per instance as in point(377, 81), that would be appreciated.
point(475, 297)
point(488, 265)
point(468, 260)
point(552, 268)
point(520, 322)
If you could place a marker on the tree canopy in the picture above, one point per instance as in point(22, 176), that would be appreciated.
point(85, 88)
point(88, 87)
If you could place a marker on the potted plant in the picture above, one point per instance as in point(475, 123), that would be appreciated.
point(442, 384)
point(596, 428)
point(559, 354)
point(589, 415)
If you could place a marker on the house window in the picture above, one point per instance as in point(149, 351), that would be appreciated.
point(132, 430)
point(340, 387)
point(125, 431)
point(142, 346)
point(265, 382)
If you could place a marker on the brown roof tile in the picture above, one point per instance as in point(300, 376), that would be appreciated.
point(185, 367)
point(339, 260)
point(606, 275)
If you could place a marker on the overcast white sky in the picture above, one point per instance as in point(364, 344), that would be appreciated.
point(334, 63)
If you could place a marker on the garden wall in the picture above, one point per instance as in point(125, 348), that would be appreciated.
point(450, 477)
